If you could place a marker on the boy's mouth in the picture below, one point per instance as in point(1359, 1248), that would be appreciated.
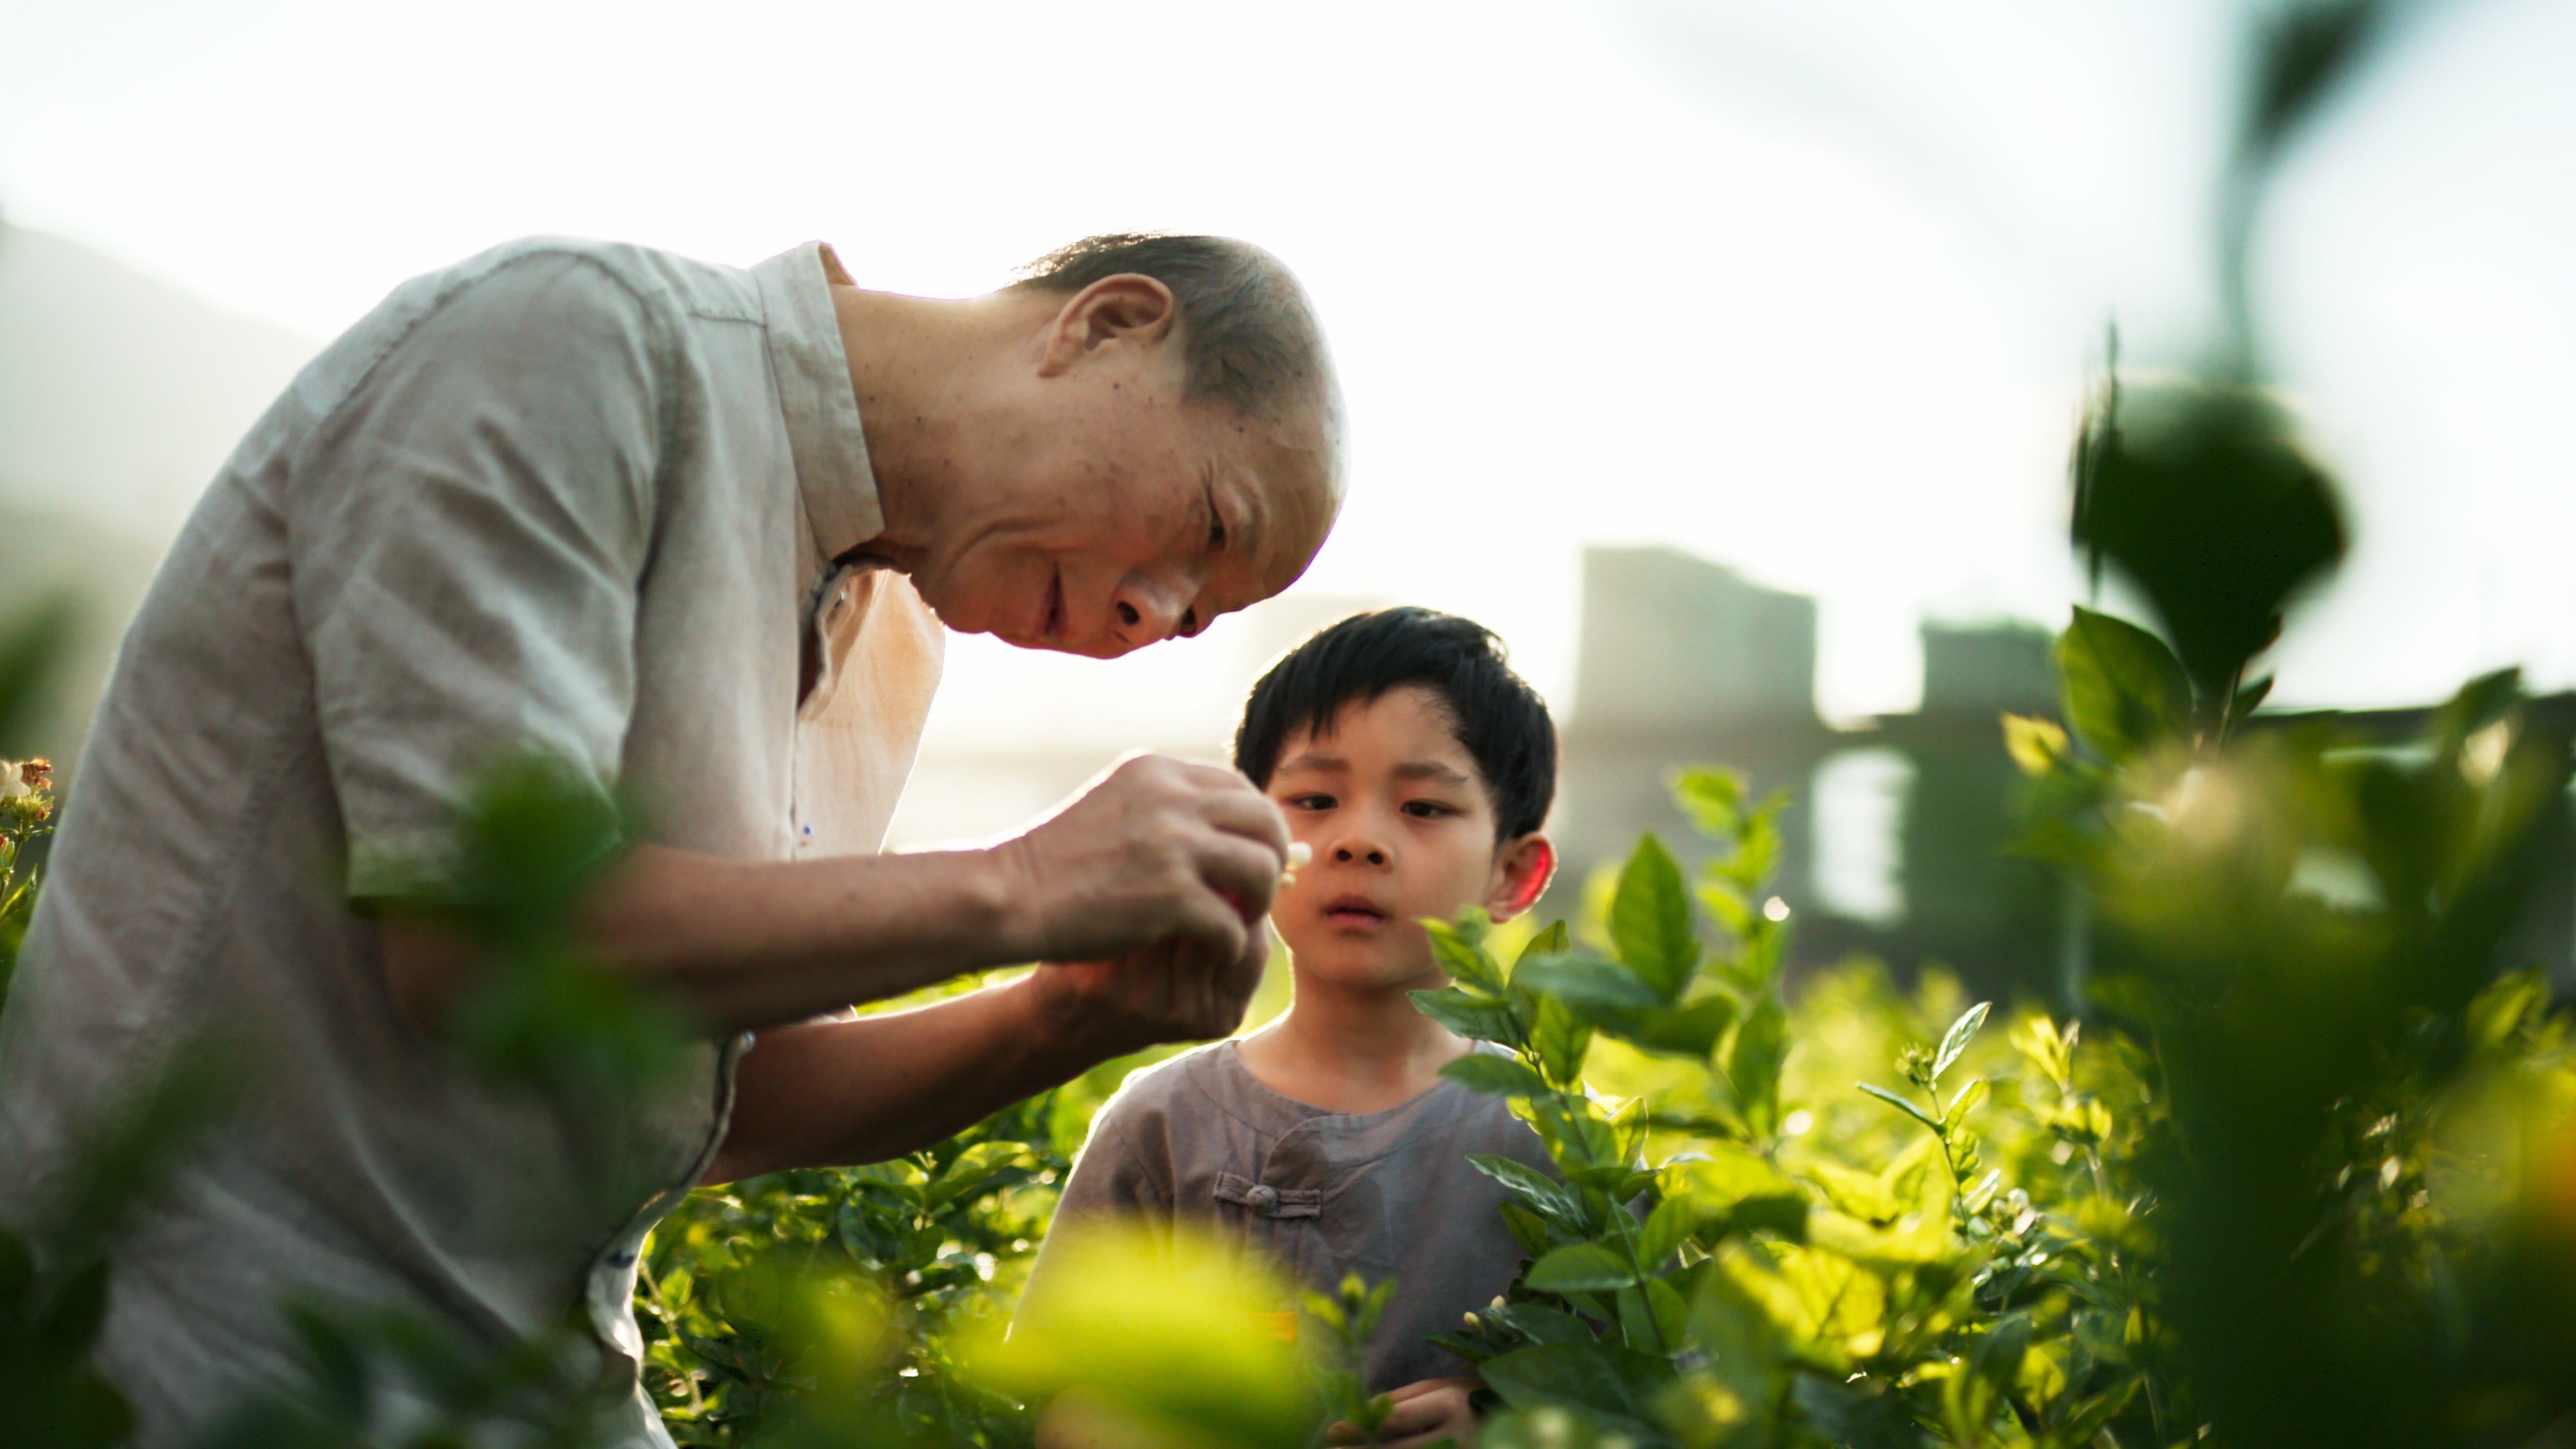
point(1354, 911)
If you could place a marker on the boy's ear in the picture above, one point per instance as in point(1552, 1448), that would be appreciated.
point(1522, 870)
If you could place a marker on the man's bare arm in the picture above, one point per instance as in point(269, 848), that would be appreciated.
point(828, 1093)
point(1158, 853)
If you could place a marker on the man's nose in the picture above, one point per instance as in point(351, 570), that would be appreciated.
point(1147, 611)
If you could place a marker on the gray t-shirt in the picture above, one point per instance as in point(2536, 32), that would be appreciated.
point(1199, 1139)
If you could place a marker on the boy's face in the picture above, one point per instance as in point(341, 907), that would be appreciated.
point(1401, 827)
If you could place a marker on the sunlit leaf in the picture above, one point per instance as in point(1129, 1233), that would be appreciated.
point(1650, 920)
point(1956, 1039)
point(1664, 1229)
point(1753, 1064)
point(1478, 1018)
point(1580, 1268)
point(2125, 691)
point(1461, 958)
point(2036, 745)
point(1495, 1075)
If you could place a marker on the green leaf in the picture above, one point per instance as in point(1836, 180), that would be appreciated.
point(1560, 1041)
point(1527, 1228)
point(2248, 700)
point(1461, 958)
point(1479, 1018)
point(1540, 1322)
point(1964, 1103)
point(972, 1169)
point(1858, 1419)
point(2208, 502)
point(1664, 1230)
point(1690, 1031)
point(1650, 920)
point(1753, 1064)
point(1956, 1039)
point(1554, 940)
point(1713, 799)
point(72, 1316)
point(17, 1273)
point(1602, 1378)
point(1902, 1105)
point(2125, 691)
point(1554, 1200)
point(1586, 982)
point(1495, 1075)
point(1580, 1268)
point(1997, 1355)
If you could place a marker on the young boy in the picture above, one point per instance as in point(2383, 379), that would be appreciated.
point(1418, 768)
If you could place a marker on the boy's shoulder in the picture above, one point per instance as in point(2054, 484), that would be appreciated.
point(1188, 1084)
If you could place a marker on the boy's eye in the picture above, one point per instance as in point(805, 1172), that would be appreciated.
point(1427, 809)
point(1310, 802)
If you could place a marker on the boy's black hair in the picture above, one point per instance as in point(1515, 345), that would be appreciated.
point(1498, 718)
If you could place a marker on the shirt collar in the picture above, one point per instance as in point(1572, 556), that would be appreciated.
point(824, 435)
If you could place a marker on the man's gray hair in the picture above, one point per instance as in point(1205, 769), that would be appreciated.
point(1248, 334)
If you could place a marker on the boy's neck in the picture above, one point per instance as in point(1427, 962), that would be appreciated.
point(1353, 1050)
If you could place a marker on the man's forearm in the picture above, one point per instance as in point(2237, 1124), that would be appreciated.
point(756, 943)
point(839, 1092)
point(738, 944)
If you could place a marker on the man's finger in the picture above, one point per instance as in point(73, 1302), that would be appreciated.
point(1214, 930)
point(1250, 816)
point(1246, 874)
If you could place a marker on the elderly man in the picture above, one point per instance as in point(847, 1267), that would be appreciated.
point(696, 530)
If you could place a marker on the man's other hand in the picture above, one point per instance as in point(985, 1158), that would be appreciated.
point(1156, 853)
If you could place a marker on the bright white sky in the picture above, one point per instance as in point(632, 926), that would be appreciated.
point(1806, 287)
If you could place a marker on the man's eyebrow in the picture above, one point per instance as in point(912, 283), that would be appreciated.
point(1432, 770)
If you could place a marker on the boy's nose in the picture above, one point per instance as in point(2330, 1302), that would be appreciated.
point(1362, 852)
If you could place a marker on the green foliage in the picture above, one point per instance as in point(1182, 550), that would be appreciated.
point(1170, 1337)
point(1348, 1320)
point(1732, 1252)
point(2201, 496)
point(542, 1013)
point(938, 1241)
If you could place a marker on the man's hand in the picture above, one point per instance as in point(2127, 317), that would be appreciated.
point(1426, 1413)
point(1155, 995)
point(1157, 853)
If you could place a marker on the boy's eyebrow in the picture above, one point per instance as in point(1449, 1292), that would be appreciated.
point(1316, 760)
point(1432, 770)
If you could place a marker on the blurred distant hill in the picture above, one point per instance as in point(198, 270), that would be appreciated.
point(119, 398)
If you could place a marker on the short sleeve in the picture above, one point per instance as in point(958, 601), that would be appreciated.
point(469, 530)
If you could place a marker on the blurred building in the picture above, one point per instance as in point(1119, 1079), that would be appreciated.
point(1897, 839)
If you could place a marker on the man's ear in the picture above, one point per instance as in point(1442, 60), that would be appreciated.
point(1129, 308)
point(1522, 870)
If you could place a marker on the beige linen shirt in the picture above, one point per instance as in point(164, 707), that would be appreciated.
point(584, 497)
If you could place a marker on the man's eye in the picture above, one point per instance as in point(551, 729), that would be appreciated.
point(1216, 523)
